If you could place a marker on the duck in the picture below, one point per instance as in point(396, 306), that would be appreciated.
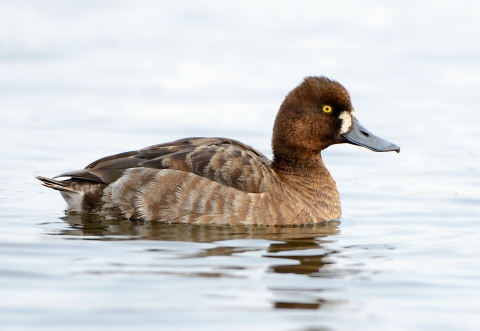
point(204, 180)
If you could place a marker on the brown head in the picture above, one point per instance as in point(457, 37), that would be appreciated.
point(316, 114)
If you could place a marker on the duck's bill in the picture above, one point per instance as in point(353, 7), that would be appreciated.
point(358, 135)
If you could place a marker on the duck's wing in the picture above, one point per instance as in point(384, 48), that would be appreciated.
point(225, 161)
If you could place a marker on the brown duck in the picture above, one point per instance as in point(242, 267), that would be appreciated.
point(222, 181)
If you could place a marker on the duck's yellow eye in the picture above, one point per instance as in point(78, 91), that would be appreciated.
point(327, 109)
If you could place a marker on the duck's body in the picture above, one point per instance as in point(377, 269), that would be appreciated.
point(222, 181)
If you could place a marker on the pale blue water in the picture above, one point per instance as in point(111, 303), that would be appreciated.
point(83, 79)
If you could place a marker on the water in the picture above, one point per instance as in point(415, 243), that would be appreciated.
point(81, 80)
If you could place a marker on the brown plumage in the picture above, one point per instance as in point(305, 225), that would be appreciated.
point(218, 180)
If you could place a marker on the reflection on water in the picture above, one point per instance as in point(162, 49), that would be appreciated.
point(97, 227)
point(290, 250)
point(84, 79)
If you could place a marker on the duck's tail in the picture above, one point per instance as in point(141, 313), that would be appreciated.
point(55, 184)
point(80, 194)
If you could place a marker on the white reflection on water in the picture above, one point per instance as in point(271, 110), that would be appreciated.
point(83, 79)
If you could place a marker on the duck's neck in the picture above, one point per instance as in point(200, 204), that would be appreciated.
point(308, 171)
point(299, 164)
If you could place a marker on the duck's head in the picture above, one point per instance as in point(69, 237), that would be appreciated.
point(316, 114)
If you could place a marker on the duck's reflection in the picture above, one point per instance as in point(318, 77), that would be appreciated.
point(308, 264)
point(304, 246)
point(98, 228)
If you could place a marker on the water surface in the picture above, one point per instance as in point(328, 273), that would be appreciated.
point(82, 80)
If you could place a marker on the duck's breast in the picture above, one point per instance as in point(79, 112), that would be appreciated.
point(182, 197)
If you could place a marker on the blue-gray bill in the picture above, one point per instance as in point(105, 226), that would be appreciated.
point(358, 135)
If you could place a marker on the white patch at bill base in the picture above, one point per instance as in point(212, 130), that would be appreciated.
point(346, 121)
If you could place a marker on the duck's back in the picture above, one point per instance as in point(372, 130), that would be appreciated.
point(225, 161)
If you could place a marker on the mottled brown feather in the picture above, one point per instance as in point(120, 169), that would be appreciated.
point(226, 161)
